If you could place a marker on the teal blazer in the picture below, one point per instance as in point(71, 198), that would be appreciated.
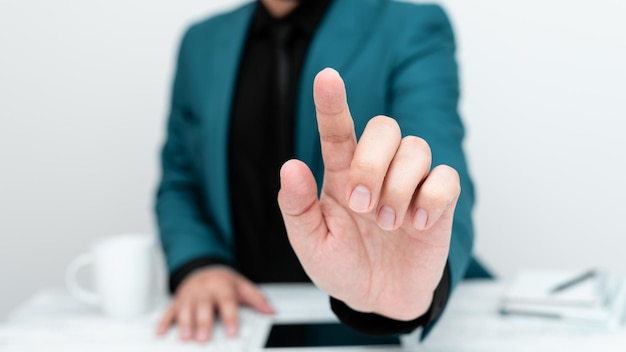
point(397, 59)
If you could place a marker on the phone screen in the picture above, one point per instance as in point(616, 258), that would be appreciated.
point(322, 335)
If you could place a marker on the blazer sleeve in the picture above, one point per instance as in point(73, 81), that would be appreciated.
point(424, 97)
point(185, 229)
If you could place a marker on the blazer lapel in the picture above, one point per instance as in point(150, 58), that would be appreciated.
point(224, 65)
point(344, 29)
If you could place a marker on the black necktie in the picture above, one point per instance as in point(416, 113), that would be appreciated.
point(282, 38)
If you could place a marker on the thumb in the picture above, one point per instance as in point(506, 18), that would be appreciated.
point(300, 207)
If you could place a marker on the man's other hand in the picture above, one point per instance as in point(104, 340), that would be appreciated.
point(205, 293)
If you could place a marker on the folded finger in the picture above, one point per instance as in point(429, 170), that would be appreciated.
point(373, 155)
point(409, 167)
point(437, 194)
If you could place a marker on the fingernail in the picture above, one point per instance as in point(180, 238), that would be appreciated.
point(185, 334)
point(231, 330)
point(421, 217)
point(360, 199)
point(386, 218)
point(202, 335)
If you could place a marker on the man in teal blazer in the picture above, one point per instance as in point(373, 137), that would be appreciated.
point(395, 59)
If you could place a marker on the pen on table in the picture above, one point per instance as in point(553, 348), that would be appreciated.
point(589, 321)
point(505, 311)
point(574, 281)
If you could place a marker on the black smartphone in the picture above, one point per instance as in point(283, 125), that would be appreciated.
point(322, 335)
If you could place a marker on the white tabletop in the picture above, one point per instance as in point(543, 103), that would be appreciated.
point(53, 321)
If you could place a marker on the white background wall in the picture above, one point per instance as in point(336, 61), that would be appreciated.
point(84, 88)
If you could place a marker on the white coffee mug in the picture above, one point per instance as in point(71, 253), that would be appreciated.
point(123, 275)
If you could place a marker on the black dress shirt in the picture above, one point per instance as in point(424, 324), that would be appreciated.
point(260, 141)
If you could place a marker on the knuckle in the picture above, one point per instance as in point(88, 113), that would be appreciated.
point(335, 136)
point(204, 313)
point(435, 196)
point(397, 196)
point(203, 322)
point(417, 144)
point(228, 313)
point(386, 123)
point(183, 320)
point(452, 176)
point(443, 188)
point(366, 167)
point(226, 298)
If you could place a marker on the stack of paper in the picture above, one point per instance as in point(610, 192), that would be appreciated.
point(589, 298)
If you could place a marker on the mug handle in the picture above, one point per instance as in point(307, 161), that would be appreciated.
point(75, 289)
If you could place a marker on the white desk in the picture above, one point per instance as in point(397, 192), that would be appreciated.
point(53, 321)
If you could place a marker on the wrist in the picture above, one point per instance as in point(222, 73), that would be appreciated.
point(392, 306)
point(384, 324)
point(177, 277)
point(405, 311)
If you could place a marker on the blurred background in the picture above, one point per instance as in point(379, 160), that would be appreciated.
point(84, 92)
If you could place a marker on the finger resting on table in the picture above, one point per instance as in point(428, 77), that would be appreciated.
point(251, 296)
point(204, 320)
point(227, 307)
point(186, 320)
point(167, 320)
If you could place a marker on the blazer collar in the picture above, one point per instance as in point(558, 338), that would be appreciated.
point(344, 29)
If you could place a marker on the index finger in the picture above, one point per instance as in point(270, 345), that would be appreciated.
point(166, 321)
point(334, 121)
